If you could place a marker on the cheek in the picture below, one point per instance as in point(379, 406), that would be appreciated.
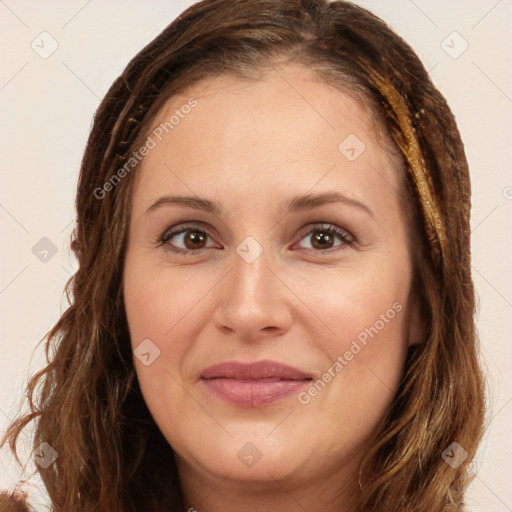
point(364, 314)
point(359, 305)
point(165, 306)
point(159, 301)
point(159, 304)
point(362, 364)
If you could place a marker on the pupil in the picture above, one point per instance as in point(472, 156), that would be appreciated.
point(323, 239)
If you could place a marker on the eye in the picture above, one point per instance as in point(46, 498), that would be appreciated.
point(186, 239)
point(324, 237)
point(193, 238)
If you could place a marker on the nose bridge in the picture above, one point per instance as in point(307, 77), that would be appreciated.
point(251, 282)
point(253, 300)
point(251, 278)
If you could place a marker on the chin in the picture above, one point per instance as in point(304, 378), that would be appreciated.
point(247, 456)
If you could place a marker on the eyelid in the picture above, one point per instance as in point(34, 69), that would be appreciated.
point(184, 226)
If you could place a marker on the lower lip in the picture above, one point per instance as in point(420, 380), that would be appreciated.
point(253, 393)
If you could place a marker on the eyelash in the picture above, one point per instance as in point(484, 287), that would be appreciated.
point(345, 237)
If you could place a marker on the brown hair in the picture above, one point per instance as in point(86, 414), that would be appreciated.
point(16, 501)
point(88, 405)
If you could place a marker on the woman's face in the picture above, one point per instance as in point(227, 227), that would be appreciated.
point(285, 245)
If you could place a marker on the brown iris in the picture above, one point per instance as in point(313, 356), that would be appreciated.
point(194, 239)
point(322, 239)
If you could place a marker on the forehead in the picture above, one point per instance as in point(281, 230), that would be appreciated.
point(287, 88)
point(290, 125)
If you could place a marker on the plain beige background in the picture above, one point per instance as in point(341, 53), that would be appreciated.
point(47, 102)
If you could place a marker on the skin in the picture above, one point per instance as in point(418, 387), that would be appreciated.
point(251, 146)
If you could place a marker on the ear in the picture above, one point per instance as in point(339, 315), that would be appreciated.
point(417, 320)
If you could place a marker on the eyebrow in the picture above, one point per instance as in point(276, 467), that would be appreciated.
point(295, 204)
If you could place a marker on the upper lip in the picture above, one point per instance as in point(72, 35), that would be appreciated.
point(258, 370)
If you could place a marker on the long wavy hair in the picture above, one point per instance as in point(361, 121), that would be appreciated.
point(87, 404)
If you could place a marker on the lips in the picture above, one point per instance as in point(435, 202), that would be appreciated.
point(254, 371)
point(254, 384)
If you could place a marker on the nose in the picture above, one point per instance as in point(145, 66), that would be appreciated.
point(253, 302)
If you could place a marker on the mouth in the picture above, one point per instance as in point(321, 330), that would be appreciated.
point(254, 384)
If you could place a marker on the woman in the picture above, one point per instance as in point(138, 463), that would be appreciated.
point(274, 305)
